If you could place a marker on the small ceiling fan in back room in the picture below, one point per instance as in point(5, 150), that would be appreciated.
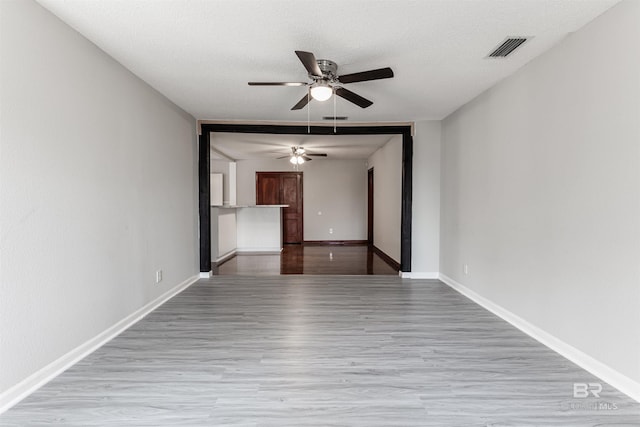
point(299, 155)
point(325, 81)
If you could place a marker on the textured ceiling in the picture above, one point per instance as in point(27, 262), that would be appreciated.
point(240, 146)
point(201, 53)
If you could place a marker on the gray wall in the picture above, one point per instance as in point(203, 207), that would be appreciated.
point(99, 190)
point(387, 197)
point(336, 188)
point(425, 227)
point(541, 192)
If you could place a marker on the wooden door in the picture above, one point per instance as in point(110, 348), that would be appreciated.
point(283, 188)
point(267, 189)
point(291, 194)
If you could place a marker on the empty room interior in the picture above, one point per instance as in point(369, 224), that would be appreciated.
point(288, 213)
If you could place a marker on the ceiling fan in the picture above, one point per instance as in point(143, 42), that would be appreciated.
point(299, 155)
point(326, 81)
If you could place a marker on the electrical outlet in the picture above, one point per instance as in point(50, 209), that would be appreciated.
point(158, 276)
point(331, 231)
point(466, 269)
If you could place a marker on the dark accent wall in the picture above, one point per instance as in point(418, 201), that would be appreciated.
point(407, 196)
point(204, 165)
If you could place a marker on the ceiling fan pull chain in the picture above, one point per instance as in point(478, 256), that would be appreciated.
point(334, 109)
point(308, 110)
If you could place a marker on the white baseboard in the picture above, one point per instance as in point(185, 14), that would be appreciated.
point(226, 256)
point(258, 251)
point(419, 275)
point(205, 275)
point(39, 378)
point(623, 383)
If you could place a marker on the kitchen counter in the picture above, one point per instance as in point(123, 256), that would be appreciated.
point(245, 228)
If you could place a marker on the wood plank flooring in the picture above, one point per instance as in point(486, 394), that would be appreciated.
point(309, 259)
point(321, 351)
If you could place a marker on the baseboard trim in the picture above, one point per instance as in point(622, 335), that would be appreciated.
point(420, 275)
point(224, 258)
point(39, 378)
point(386, 258)
point(623, 383)
point(205, 275)
point(258, 251)
point(335, 242)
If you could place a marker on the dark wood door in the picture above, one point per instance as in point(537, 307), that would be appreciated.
point(370, 206)
point(291, 194)
point(267, 189)
point(283, 188)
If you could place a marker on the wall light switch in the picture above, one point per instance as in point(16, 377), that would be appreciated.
point(331, 231)
point(319, 212)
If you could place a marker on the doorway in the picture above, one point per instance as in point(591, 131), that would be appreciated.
point(207, 128)
point(283, 188)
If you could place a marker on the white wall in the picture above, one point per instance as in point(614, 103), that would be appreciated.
point(259, 229)
point(227, 234)
point(336, 188)
point(541, 191)
point(425, 227)
point(224, 234)
point(387, 197)
point(99, 190)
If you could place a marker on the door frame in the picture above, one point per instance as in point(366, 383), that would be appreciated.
point(370, 206)
point(204, 167)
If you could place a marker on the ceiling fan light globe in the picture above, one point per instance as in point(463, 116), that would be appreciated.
point(321, 92)
point(300, 160)
point(294, 160)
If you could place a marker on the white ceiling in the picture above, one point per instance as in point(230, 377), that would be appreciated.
point(202, 53)
point(241, 146)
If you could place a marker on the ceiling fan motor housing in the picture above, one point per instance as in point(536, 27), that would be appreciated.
point(329, 70)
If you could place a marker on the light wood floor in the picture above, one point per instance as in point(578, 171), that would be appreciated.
point(321, 351)
point(309, 259)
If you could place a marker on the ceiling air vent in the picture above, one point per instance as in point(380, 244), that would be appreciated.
point(507, 47)
point(336, 117)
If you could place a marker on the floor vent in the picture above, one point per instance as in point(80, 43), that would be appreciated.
point(507, 47)
point(336, 117)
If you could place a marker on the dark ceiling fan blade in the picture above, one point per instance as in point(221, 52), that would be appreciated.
point(353, 97)
point(300, 105)
point(277, 84)
point(317, 154)
point(284, 157)
point(380, 73)
point(307, 159)
point(308, 59)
